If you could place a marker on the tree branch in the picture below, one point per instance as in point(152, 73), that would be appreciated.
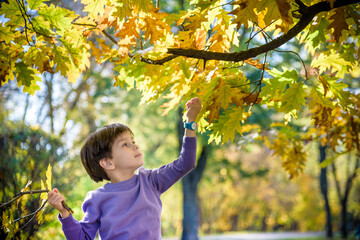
point(307, 15)
point(20, 194)
point(337, 183)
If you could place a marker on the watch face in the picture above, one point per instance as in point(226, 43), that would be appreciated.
point(193, 126)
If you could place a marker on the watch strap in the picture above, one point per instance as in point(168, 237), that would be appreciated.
point(190, 125)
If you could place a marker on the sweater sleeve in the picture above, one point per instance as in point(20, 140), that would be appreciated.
point(85, 229)
point(167, 175)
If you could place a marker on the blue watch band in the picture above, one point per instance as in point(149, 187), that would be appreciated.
point(190, 125)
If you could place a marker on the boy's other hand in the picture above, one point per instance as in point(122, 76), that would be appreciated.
point(55, 199)
point(194, 107)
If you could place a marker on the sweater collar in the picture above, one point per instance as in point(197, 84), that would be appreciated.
point(121, 186)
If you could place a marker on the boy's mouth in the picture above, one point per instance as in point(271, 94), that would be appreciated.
point(138, 155)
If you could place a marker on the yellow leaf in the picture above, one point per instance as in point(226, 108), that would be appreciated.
point(94, 7)
point(333, 61)
point(48, 177)
point(43, 195)
point(244, 12)
point(155, 27)
point(276, 10)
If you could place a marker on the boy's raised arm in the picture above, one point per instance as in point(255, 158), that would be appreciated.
point(165, 176)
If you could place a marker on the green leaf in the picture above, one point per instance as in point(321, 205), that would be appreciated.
point(34, 4)
point(228, 125)
point(26, 76)
point(316, 96)
point(61, 60)
point(12, 11)
point(7, 226)
point(347, 52)
point(72, 51)
point(293, 99)
point(337, 88)
point(316, 35)
point(277, 85)
point(185, 67)
point(5, 34)
point(58, 18)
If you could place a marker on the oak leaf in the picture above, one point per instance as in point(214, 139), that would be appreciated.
point(338, 23)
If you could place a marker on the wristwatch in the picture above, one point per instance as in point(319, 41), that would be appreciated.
point(190, 125)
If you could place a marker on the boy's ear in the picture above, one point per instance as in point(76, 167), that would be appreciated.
point(107, 164)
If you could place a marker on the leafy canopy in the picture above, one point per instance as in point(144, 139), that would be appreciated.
point(208, 51)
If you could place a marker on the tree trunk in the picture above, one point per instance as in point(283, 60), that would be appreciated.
point(190, 183)
point(343, 199)
point(343, 227)
point(324, 191)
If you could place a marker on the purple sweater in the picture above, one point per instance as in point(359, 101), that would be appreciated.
point(130, 209)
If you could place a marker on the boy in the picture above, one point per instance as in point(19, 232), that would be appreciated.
point(129, 206)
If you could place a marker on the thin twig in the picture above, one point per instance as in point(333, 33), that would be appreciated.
point(250, 38)
point(262, 73)
point(25, 20)
point(109, 36)
point(261, 31)
point(303, 63)
point(31, 214)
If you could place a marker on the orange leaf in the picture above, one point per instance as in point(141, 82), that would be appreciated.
point(252, 98)
point(256, 63)
point(338, 23)
point(325, 84)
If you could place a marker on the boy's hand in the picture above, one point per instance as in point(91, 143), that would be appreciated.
point(55, 199)
point(194, 107)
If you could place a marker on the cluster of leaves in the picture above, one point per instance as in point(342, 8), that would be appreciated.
point(44, 38)
point(196, 52)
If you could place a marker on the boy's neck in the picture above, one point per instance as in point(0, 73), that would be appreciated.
point(121, 177)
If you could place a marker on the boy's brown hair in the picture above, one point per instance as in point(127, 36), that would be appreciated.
point(98, 146)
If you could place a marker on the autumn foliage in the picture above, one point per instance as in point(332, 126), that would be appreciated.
point(206, 50)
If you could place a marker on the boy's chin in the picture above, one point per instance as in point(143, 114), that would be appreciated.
point(141, 163)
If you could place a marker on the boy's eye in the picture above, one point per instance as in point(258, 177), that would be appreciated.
point(125, 145)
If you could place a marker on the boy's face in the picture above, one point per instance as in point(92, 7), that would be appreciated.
point(126, 154)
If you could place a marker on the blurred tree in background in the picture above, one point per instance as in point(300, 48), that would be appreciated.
point(24, 154)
